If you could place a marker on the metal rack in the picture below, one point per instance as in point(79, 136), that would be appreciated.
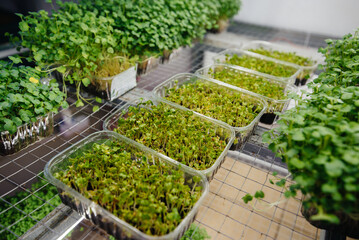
point(20, 170)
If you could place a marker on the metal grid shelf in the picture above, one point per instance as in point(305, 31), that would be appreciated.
point(223, 215)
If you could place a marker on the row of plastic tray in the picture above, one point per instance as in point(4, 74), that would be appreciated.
point(118, 227)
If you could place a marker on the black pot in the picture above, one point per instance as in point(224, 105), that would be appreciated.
point(348, 226)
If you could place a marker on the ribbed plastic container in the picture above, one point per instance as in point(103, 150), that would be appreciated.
point(274, 105)
point(147, 65)
point(110, 88)
point(97, 214)
point(307, 70)
point(223, 130)
point(221, 58)
point(26, 134)
point(242, 132)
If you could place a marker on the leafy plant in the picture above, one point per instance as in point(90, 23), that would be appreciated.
point(229, 106)
point(261, 65)
point(341, 61)
point(34, 205)
point(23, 97)
point(178, 134)
point(73, 41)
point(143, 191)
point(195, 233)
point(318, 139)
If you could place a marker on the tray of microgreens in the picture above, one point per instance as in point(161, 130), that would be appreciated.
point(235, 107)
point(126, 188)
point(308, 63)
point(176, 132)
point(271, 89)
point(285, 71)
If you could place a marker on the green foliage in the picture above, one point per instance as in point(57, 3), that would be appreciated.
point(73, 41)
point(291, 57)
point(195, 233)
point(341, 61)
point(212, 100)
point(261, 65)
point(136, 187)
point(29, 204)
point(250, 82)
point(178, 134)
point(319, 138)
point(23, 97)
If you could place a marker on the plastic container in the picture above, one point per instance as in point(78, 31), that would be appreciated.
point(242, 133)
point(307, 70)
point(224, 130)
point(26, 134)
point(145, 66)
point(274, 105)
point(221, 58)
point(110, 88)
point(97, 214)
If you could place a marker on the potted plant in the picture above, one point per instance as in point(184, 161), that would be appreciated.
point(272, 89)
point(192, 140)
point(127, 189)
point(318, 140)
point(26, 105)
point(309, 64)
point(78, 44)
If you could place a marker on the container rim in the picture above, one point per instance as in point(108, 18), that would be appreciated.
point(91, 138)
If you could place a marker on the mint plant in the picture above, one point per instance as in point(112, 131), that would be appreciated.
point(145, 192)
point(261, 65)
point(23, 97)
point(212, 100)
point(195, 233)
point(179, 135)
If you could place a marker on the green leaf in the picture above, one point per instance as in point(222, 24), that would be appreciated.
point(24, 27)
point(259, 194)
point(86, 82)
point(61, 69)
point(15, 59)
point(247, 198)
point(99, 100)
point(95, 108)
point(298, 135)
point(79, 103)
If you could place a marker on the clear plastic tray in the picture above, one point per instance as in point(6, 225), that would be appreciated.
point(221, 57)
point(242, 133)
point(26, 134)
point(112, 87)
point(307, 70)
point(223, 129)
point(274, 105)
point(97, 214)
